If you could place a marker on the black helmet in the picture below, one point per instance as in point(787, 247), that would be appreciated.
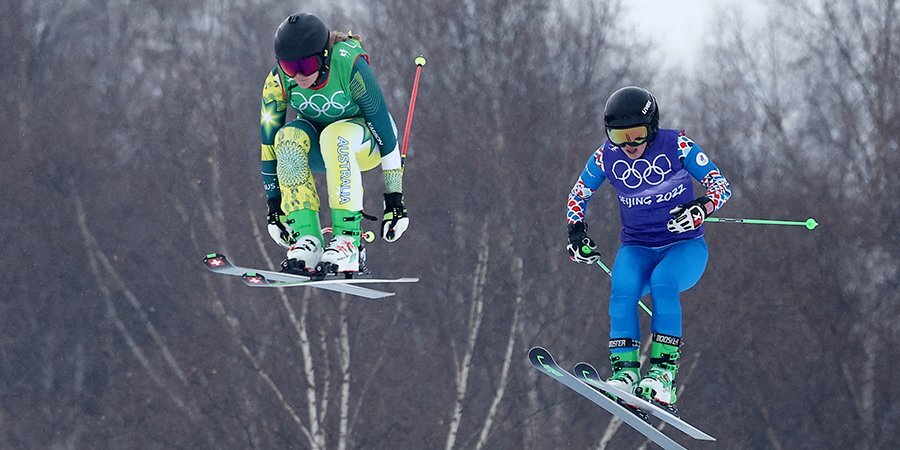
point(299, 36)
point(632, 106)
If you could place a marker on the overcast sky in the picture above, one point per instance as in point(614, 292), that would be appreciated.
point(678, 26)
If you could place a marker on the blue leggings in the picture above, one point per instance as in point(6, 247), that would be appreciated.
point(664, 272)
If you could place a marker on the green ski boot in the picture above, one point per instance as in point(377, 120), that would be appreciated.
point(626, 370)
point(306, 251)
point(344, 254)
point(659, 384)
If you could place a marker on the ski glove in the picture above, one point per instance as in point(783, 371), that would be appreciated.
point(689, 216)
point(396, 219)
point(582, 249)
point(277, 230)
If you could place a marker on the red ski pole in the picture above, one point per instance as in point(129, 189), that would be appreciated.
point(420, 62)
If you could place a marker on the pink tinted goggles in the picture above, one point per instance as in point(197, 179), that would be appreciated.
point(305, 66)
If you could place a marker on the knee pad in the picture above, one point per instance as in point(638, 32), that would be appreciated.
point(666, 310)
point(293, 143)
point(623, 318)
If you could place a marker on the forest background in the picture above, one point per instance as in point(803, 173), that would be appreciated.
point(132, 144)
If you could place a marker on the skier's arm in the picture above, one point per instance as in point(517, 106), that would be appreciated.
point(705, 171)
point(588, 183)
point(581, 248)
point(273, 111)
point(367, 94)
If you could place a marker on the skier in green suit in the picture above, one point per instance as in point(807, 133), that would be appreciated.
point(343, 128)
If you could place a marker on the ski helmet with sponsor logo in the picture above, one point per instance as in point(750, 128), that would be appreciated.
point(632, 106)
point(299, 36)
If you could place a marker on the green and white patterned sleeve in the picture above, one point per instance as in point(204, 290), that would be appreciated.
point(367, 94)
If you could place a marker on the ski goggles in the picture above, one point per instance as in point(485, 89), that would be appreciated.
point(633, 136)
point(304, 66)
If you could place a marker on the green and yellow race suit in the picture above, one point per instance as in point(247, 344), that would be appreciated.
point(342, 128)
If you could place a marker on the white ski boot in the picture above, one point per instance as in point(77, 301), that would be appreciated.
point(659, 384)
point(341, 255)
point(345, 253)
point(625, 370)
point(306, 251)
point(305, 254)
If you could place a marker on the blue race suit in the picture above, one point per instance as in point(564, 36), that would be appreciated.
point(651, 258)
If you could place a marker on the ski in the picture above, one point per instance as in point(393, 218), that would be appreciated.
point(255, 279)
point(542, 360)
point(220, 264)
point(589, 375)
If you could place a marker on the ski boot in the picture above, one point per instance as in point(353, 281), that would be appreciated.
point(626, 371)
point(306, 252)
point(344, 252)
point(659, 384)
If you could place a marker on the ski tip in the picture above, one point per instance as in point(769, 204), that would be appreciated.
point(585, 371)
point(254, 279)
point(584, 366)
point(540, 354)
point(215, 261)
point(542, 360)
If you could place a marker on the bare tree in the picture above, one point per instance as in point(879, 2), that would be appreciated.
point(796, 110)
point(134, 151)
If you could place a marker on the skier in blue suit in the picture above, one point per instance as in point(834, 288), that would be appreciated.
point(663, 251)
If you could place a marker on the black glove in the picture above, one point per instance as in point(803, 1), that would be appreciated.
point(689, 216)
point(396, 218)
point(277, 229)
point(582, 249)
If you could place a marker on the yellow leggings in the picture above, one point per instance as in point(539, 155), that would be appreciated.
point(343, 150)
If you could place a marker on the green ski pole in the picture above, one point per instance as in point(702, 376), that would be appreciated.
point(810, 223)
point(586, 250)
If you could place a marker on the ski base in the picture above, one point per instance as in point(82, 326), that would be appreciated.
point(542, 360)
point(589, 375)
point(584, 374)
point(220, 264)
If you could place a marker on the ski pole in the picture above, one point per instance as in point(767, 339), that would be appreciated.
point(420, 62)
point(587, 249)
point(809, 223)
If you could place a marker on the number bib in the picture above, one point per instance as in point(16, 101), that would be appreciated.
point(647, 188)
point(331, 101)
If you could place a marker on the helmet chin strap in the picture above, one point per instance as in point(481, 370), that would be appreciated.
point(323, 71)
point(323, 75)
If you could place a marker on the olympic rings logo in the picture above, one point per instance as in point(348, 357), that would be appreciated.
point(634, 175)
point(318, 105)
